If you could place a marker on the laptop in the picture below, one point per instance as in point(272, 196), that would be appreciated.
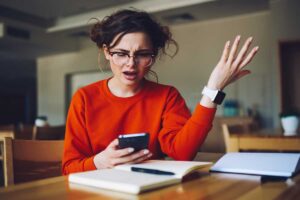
point(267, 165)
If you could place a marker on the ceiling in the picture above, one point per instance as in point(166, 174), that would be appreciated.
point(33, 28)
point(58, 8)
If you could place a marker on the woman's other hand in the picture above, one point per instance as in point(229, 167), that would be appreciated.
point(231, 65)
point(113, 156)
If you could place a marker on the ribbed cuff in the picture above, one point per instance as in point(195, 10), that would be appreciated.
point(89, 164)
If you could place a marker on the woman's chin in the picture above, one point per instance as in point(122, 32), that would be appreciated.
point(130, 81)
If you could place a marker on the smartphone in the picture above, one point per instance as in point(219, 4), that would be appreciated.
point(138, 141)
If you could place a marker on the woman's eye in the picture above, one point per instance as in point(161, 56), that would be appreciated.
point(120, 54)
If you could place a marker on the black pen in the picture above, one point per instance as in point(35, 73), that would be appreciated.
point(151, 171)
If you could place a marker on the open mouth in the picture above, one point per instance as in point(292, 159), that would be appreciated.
point(130, 75)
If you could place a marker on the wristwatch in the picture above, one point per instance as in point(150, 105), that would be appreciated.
point(215, 96)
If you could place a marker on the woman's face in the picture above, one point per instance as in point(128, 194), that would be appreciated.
point(130, 59)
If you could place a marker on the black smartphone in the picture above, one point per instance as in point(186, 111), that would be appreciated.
point(138, 141)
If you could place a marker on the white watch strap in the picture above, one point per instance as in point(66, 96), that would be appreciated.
point(210, 93)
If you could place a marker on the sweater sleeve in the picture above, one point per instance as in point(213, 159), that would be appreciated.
point(78, 154)
point(182, 134)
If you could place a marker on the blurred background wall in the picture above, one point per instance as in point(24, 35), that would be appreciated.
point(50, 44)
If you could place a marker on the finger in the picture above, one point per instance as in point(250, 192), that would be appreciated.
point(141, 159)
point(131, 157)
point(243, 51)
point(249, 57)
point(234, 49)
point(225, 52)
point(114, 144)
point(122, 152)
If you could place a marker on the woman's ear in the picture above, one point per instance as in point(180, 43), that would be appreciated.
point(106, 52)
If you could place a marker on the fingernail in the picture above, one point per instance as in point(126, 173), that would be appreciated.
point(251, 38)
point(256, 48)
point(130, 150)
point(146, 151)
point(227, 43)
point(238, 37)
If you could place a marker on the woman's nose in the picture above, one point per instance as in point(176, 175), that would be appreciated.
point(131, 61)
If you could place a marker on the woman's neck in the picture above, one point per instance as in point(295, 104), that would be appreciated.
point(122, 90)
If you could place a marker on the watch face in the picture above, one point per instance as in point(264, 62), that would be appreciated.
point(220, 97)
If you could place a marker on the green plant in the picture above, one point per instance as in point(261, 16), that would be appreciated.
point(289, 112)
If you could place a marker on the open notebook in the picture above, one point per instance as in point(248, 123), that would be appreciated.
point(123, 179)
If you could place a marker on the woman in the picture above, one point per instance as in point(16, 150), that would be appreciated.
point(128, 103)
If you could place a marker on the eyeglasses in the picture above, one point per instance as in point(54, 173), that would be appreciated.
point(142, 59)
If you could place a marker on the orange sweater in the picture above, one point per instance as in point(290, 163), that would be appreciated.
point(96, 117)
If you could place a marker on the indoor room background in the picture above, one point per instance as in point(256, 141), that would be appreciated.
point(68, 52)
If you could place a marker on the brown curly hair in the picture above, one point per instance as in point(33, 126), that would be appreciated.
point(128, 21)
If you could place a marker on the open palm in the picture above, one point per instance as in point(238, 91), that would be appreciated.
point(231, 65)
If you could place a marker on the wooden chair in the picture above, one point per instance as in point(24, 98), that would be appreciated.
point(49, 132)
point(236, 126)
point(4, 134)
point(27, 160)
point(5, 131)
point(259, 142)
point(214, 141)
point(230, 145)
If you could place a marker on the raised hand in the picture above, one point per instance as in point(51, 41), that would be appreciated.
point(231, 65)
point(113, 156)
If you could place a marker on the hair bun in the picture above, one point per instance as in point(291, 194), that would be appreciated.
point(94, 33)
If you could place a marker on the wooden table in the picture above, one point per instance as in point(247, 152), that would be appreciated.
point(204, 186)
point(265, 142)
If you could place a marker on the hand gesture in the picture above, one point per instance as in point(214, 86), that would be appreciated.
point(231, 65)
point(113, 156)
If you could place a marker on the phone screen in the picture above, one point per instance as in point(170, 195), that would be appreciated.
point(138, 141)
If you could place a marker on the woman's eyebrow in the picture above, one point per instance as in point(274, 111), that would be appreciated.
point(144, 51)
point(137, 51)
point(122, 50)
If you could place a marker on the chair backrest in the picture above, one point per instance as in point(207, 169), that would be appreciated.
point(242, 126)
point(230, 145)
point(7, 131)
point(214, 141)
point(27, 160)
point(3, 135)
point(49, 132)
